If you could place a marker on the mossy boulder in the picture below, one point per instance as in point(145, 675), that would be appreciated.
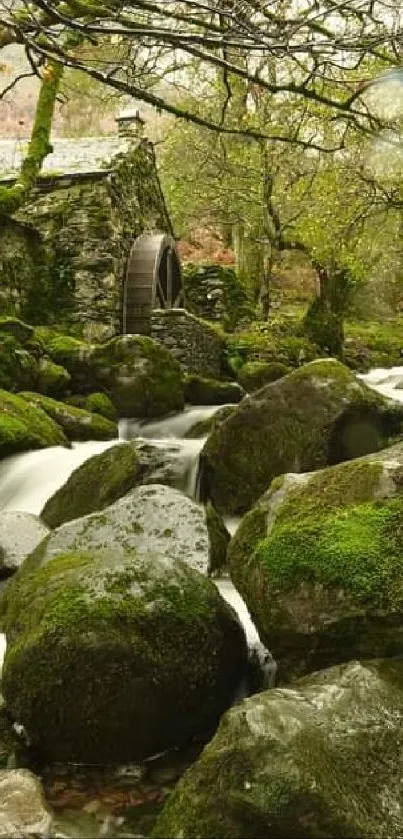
point(20, 533)
point(112, 657)
point(24, 426)
point(96, 484)
point(70, 353)
point(318, 415)
point(322, 574)
point(141, 376)
point(202, 391)
point(18, 368)
point(151, 517)
point(21, 331)
point(202, 427)
point(321, 759)
point(51, 379)
point(105, 477)
point(96, 403)
point(255, 374)
point(76, 423)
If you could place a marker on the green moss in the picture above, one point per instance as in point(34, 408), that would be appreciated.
point(329, 489)
point(18, 368)
point(121, 657)
point(373, 344)
point(324, 328)
point(358, 550)
point(142, 377)
point(255, 374)
point(52, 379)
point(21, 331)
point(24, 426)
point(77, 424)
point(318, 415)
point(279, 341)
point(100, 403)
point(98, 482)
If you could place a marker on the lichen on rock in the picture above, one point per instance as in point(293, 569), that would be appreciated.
point(322, 758)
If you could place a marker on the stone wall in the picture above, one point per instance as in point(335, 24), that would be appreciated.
point(214, 292)
point(85, 231)
point(198, 346)
point(23, 270)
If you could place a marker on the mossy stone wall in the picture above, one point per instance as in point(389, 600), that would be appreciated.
point(197, 345)
point(23, 270)
point(82, 233)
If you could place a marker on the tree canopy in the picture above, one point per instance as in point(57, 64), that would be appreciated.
point(320, 54)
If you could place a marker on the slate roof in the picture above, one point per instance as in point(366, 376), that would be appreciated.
point(70, 156)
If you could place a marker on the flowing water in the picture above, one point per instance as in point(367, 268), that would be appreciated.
point(386, 381)
point(124, 802)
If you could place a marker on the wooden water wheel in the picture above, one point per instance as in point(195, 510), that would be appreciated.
point(153, 281)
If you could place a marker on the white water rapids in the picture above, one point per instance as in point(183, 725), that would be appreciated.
point(28, 480)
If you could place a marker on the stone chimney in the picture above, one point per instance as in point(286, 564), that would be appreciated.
point(130, 124)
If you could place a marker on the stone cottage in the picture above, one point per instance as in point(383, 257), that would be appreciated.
point(65, 255)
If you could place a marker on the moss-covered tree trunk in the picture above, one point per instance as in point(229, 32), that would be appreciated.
point(323, 322)
point(13, 197)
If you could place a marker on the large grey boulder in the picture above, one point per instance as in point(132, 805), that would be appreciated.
point(318, 561)
point(115, 654)
point(151, 517)
point(20, 533)
point(318, 415)
point(321, 759)
point(23, 812)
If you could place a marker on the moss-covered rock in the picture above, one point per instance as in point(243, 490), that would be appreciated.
point(202, 427)
point(76, 423)
point(318, 415)
point(152, 517)
point(70, 353)
point(18, 368)
point(202, 391)
point(321, 759)
point(141, 376)
point(24, 426)
point(320, 566)
point(255, 374)
point(98, 482)
point(96, 403)
point(21, 331)
point(116, 656)
point(51, 379)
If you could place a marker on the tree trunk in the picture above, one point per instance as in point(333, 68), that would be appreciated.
point(13, 197)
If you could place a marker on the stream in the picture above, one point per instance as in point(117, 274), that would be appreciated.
point(124, 801)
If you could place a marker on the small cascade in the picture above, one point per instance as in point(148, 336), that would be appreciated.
point(387, 381)
point(28, 480)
